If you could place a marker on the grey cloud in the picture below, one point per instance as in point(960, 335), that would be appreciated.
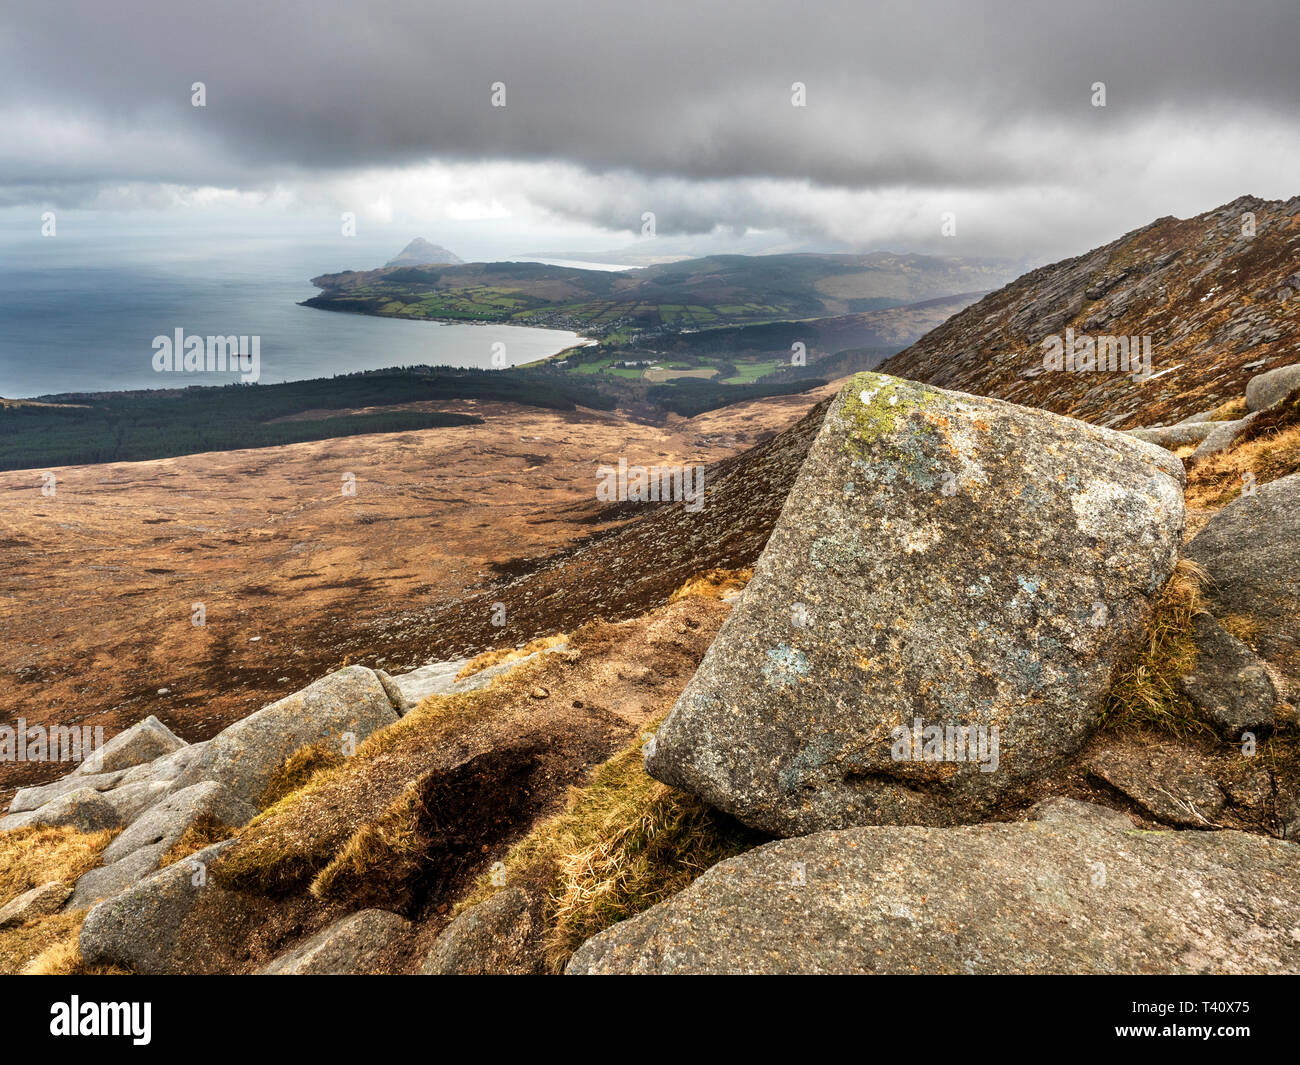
point(979, 97)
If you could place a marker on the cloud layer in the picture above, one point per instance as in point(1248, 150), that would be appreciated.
point(681, 108)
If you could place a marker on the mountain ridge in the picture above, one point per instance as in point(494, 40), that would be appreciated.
point(1163, 280)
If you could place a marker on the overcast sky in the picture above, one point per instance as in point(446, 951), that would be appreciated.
point(680, 107)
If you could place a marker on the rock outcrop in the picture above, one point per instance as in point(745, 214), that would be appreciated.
point(82, 808)
point(142, 742)
point(1251, 550)
point(1217, 306)
point(154, 785)
point(1172, 436)
point(351, 946)
point(1229, 685)
point(1265, 389)
point(344, 707)
point(1074, 892)
point(138, 929)
point(493, 937)
point(936, 619)
point(39, 901)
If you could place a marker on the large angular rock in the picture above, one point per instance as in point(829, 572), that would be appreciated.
point(1060, 895)
point(142, 742)
point(1251, 549)
point(351, 946)
point(84, 809)
point(139, 929)
point(35, 798)
point(1229, 686)
point(1172, 436)
point(39, 901)
point(245, 755)
point(943, 559)
point(1265, 389)
point(1222, 437)
point(165, 822)
point(492, 938)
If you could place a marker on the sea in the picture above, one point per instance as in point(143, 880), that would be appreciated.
point(79, 310)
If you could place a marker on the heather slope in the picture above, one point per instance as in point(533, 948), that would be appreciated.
point(1219, 306)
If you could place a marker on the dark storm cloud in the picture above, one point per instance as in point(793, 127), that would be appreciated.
point(976, 97)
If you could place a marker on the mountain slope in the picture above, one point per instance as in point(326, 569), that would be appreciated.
point(718, 290)
point(1217, 304)
point(422, 253)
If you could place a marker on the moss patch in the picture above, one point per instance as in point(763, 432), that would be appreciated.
point(873, 404)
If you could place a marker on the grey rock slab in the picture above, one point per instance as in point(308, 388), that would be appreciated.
point(1172, 436)
point(243, 757)
point(165, 822)
point(439, 678)
point(489, 938)
point(106, 881)
point(1251, 549)
point(1222, 438)
point(139, 929)
point(1203, 416)
point(349, 946)
point(1040, 897)
point(142, 742)
point(38, 902)
point(1229, 687)
point(131, 800)
point(1265, 389)
point(34, 798)
point(943, 559)
point(1060, 808)
point(166, 768)
point(1168, 785)
point(85, 809)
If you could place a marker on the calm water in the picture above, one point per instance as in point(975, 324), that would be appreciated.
point(79, 311)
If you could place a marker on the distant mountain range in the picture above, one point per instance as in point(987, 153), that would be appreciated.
point(1218, 295)
point(421, 253)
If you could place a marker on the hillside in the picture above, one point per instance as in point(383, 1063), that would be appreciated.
point(699, 293)
point(1217, 304)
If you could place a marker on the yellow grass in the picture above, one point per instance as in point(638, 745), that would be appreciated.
point(1147, 694)
point(509, 654)
point(714, 584)
point(624, 843)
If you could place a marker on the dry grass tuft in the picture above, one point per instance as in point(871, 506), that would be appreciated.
point(205, 831)
point(1231, 411)
point(714, 584)
point(1217, 480)
point(625, 843)
point(296, 770)
point(1267, 450)
point(285, 846)
point(1147, 694)
point(391, 839)
point(30, 857)
point(509, 654)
